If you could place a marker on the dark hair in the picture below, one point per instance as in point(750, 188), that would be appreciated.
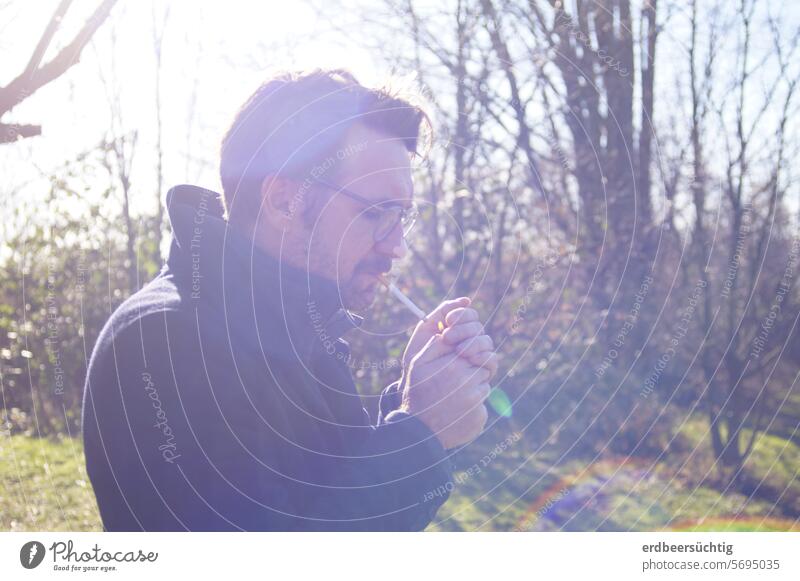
point(296, 119)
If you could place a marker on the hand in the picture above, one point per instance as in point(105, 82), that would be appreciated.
point(462, 328)
point(446, 392)
point(465, 332)
point(428, 327)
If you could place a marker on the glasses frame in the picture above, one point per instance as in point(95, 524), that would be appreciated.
point(412, 210)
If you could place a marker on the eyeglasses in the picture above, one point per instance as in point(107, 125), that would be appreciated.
point(386, 216)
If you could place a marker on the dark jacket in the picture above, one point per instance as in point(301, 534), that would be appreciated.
point(219, 397)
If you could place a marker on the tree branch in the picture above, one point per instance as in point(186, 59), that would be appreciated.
point(35, 76)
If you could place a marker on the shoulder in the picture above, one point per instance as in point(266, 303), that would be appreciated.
point(142, 324)
point(158, 297)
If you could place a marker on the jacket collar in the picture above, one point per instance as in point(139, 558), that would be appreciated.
point(223, 267)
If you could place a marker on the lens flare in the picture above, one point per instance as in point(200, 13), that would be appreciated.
point(500, 402)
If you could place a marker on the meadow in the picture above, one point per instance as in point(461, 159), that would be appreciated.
point(45, 488)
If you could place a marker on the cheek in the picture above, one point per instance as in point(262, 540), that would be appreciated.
point(351, 242)
point(355, 245)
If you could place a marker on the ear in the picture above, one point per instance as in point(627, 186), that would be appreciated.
point(282, 201)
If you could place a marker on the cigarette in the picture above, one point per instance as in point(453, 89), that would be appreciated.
point(419, 313)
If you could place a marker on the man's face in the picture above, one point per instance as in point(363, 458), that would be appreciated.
point(341, 242)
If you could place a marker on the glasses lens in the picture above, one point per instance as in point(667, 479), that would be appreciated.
point(408, 219)
point(391, 217)
point(389, 220)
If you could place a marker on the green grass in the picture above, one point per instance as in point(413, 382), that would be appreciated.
point(773, 465)
point(741, 525)
point(620, 494)
point(616, 494)
point(775, 462)
point(44, 487)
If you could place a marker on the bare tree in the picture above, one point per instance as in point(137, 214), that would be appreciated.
point(746, 253)
point(119, 147)
point(562, 175)
point(158, 43)
point(36, 75)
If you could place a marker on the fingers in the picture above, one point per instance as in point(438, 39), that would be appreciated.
point(434, 349)
point(446, 376)
point(457, 334)
point(461, 315)
point(440, 313)
point(488, 360)
point(450, 370)
point(465, 329)
point(461, 374)
point(440, 359)
point(475, 345)
point(448, 394)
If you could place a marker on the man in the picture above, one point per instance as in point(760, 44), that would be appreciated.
point(218, 397)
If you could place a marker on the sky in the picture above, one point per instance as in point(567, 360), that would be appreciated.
point(214, 55)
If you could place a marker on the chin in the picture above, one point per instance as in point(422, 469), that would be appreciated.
point(359, 300)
